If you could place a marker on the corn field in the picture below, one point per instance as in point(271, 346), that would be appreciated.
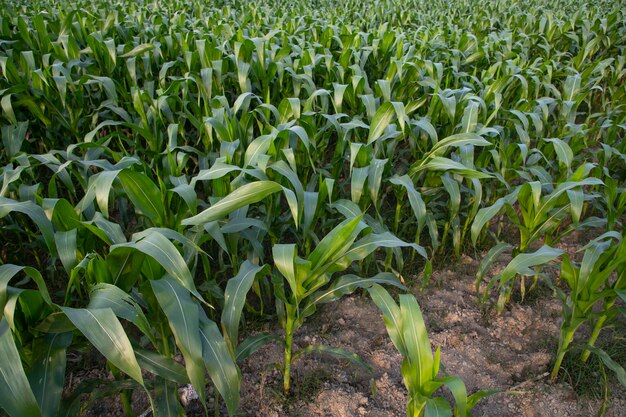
point(170, 171)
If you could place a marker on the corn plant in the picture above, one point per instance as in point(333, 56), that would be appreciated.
point(420, 367)
point(185, 152)
point(591, 285)
point(310, 283)
point(541, 217)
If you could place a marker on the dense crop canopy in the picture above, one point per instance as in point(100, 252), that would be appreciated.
point(169, 168)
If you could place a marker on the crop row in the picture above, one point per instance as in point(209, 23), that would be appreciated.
point(180, 166)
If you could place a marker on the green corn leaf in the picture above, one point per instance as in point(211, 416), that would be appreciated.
point(36, 214)
point(166, 402)
point(470, 117)
point(257, 147)
point(563, 151)
point(391, 316)
point(102, 328)
point(548, 203)
point(459, 392)
point(99, 187)
point(253, 343)
point(484, 215)
point(284, 256)
point(123, 305)
point(310, 208)
point(347, 208)
point(138, 50)
point(520, 265)
point(357, 183)
point(438, 407)
point(187, 193)
point(347, 284)
point(171, 235)
point(8, 271)
point(234, 300)
point(452, 188)
point(334, 352)
point(145, 196)
point(66, 245)
point(363, 247)
point(426, 126)
point(610, 363)
point(283, 169)
point(7, 108)
point(355, 149)
point(16, 396)
point(458, 140)
point(439, 163)
point(220, 365)
point(491, 257)
point(415, 198)
point(47, 372)
point(473, 399)
point(294, 207)
point(13, 138)
point(375, 178)
point(335, 243)
point(108, 85)
point(576, 199)
point(90, 391)
point(243, 196)
point(184, 320)
point(109, 232)
point(63, 215)
point(165, 253)
point(380, 121)
point(419, 352)
point(162, 366)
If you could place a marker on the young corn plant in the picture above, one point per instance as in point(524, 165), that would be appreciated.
point(538, 217)
point(165, 308)
point(591, 285)
point(301, 284)
point(136, 142)
point(420, 367)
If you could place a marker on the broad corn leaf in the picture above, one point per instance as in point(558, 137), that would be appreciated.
point(47, 373)
point(17, 397)
point(184, 320)
point(243, 196)
point(165, 253)
point(235, 299)
point(219, 363)
point(102, 328)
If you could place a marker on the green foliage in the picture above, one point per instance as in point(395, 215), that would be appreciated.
point(420, 367)
point(591, 285)
point(168, 169)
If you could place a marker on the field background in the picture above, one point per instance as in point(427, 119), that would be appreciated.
point(201, 203)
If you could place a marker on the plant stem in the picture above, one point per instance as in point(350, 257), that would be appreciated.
point(288, 347)
point(126, 402)
point(396, 220)
point(415, 406)
point(166, 347)
point(125, 395)
point(565, 338)
point(597, 328)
